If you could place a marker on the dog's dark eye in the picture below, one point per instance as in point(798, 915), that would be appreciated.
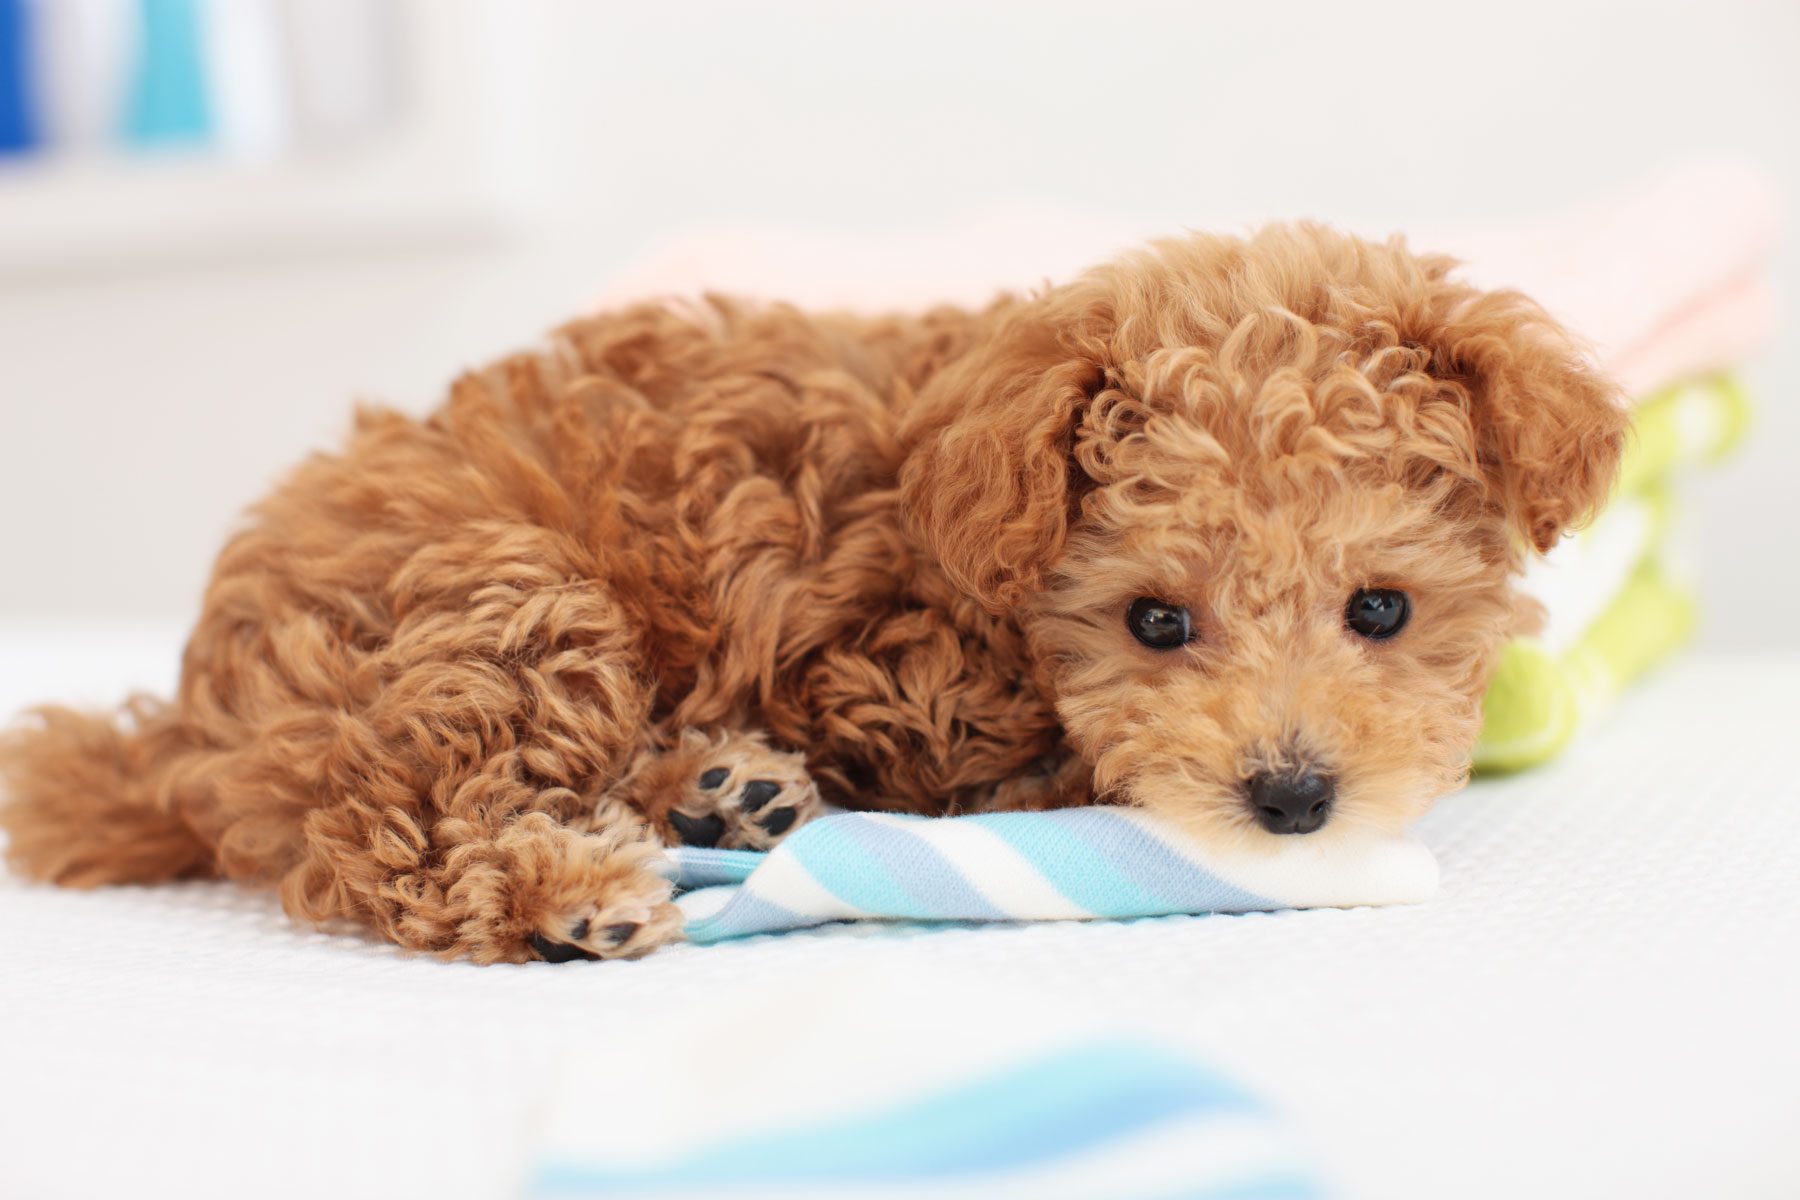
point(1377, 613)
point(1158, 625)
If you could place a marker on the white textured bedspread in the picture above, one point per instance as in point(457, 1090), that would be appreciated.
point(1604, 1000)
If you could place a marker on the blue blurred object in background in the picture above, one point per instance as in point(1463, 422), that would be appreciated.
point(18, 112)
point(244, 80)
point(167, 99)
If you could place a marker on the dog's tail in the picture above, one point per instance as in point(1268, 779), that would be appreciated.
point(84, 801)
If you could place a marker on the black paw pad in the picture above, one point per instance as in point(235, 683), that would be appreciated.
point(779, 821)
point(698, 831)
point(757, 793)
point(713, 778)
point(621, 933)
point(579, 931)
point(558, 952)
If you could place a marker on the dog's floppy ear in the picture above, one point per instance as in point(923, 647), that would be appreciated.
point(991, 483)
point(1548, 427)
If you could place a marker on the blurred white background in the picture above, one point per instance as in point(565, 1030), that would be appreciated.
point(147, 396)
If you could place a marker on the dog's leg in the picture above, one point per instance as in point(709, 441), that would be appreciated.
point(437, 785)
point(725, 788)
point(498, 858)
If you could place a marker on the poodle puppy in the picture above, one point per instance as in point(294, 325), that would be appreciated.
point(1223, 528)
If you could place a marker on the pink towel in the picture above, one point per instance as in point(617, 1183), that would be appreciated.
point(1664, 282)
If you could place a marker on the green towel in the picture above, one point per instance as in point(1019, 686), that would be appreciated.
point(1537, 701)
point(1693, 424)
point(1539, 698)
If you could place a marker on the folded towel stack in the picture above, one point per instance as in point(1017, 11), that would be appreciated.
point(1668, 322)
point(1617, 597)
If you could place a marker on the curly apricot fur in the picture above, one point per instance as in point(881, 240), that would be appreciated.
point(434, 672)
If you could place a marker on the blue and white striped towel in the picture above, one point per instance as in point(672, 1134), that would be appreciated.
point(1116, 1119)
point(1072, 863)
point(876, 1081)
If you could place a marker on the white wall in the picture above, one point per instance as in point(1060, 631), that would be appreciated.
point(139, 410)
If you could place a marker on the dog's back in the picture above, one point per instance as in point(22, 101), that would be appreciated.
point(618, 451)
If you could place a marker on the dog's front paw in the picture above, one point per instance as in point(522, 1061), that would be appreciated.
point(613, 904)
point(741, 795)
point(625, 923)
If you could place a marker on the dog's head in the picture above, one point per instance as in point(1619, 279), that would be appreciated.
point(1256, 504)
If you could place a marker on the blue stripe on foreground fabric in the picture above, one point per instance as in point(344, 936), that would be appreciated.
point(742, 915)
point(1072, 867)
point(931, 879)
point(1113, 867)
point(1177, 884)
point(1053, 1108)
point(846, 866)
point(698, 867)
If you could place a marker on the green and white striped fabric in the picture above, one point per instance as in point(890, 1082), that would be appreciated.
point(1616, 596)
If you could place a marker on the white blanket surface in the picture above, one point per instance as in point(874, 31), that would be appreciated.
point(1599, 1002)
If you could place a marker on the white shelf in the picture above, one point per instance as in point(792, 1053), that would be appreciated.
point(81, 215)
point(441, 171)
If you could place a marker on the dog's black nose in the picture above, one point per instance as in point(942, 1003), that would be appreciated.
point(1292, 801)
